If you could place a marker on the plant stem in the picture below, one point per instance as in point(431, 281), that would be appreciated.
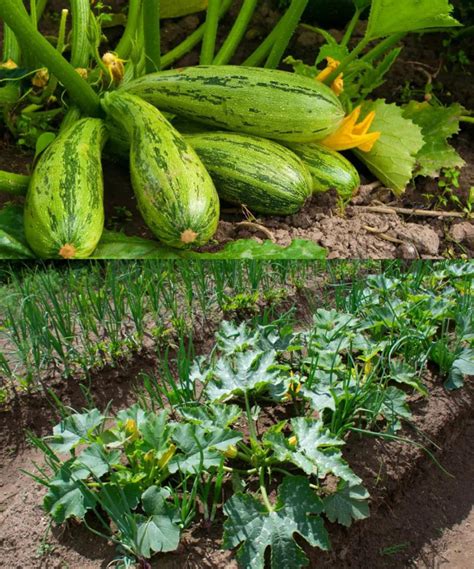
point(124, 47)
point(15, 184)
point(265, 47)
point(80, 50)
point(252, 431)
point(464, 118)
point(210, 32)
point(191, 41)
point(381, 48)
point(33, 16)
point(350, 28)
point(347, 61)
point(80, 91)
point(263, 491)
point(236, 33)
point(293, 17)
point(151, 29)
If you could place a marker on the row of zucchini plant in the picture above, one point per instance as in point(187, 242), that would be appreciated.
point(252, 433)
point(261, 138)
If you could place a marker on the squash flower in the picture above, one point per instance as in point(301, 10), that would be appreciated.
point(114, 66)
point(337, 85)
point(9, 64)
point(353, 135)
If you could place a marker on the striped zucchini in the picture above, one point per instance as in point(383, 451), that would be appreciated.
point(256, 172)
point(264, 102)
point(328, 168)
point(64, 210)
point(175, 193)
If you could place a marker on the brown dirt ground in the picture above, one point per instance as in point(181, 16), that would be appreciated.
point(357, 233)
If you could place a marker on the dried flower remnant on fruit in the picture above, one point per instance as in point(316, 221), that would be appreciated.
point(68, 251)
point(188, 236)
point(114, 66)
point(351, 134)
point(337, 85)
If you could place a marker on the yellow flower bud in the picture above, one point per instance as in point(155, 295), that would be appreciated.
point(338, 84)
point(9, 64)
point(231, 451)
point(292, 440)
point(40, 78)
point(114, 66)
point(167, 456)
point(83, 72)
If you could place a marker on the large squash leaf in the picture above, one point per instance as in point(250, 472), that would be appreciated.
point(389, 17)
point(392, 159)
point(254, 528)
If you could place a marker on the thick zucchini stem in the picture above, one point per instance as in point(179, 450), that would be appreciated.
point(151, 29)
point(210, 32)
point(295, 11)
point(236, 33)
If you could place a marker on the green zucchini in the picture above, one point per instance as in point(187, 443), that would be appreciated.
point(264, 102)
point(328, 168)
point(175, 194)
point(256, 172)
point(64, 210)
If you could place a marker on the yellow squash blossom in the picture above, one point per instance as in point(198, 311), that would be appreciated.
point(9, 64)
point(353, 135)
point(114, 66)
point(131, 429)
point(338, 84)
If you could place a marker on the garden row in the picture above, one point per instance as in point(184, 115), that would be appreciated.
point(250, 433)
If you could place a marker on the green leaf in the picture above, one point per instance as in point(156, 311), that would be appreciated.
point(401, 372)
point(389, 17)
point(13, 243)
point(315, 451)
point(114, 245)
point(462, 366)
point(211, 416)
point(348, 503)
point(43, 141)
point(252, 527)
point(244, 372)
point(200, 447)
point(232, 338)
point(437, 125)
point(66, 497)
point(299, 249)
point(393, 157)
point(95, 461)
point(75, 429)
point(158, 532)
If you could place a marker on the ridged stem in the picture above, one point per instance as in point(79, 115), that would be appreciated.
point(262, 51)
point(210, 32)
point(80, 48)
point(15, 15)
point(124, 47)
point(236, 33)
point(359, 48)
point(15, 184)
point(295, 11)
point(151, 28)
point(351, 27)
point(191, 41)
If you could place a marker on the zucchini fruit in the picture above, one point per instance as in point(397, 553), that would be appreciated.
point(175, 194)
point(64, 210)
point(329, 169)
point(259, 173)
point(264, 102)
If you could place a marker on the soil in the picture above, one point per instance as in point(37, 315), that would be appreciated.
point(354, 233)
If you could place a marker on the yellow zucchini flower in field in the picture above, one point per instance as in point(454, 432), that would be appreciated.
point(353, 135)
point(337, 85)
point(131, 429)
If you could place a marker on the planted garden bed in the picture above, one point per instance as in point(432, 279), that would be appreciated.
point(387, 221)
point(345, 333)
